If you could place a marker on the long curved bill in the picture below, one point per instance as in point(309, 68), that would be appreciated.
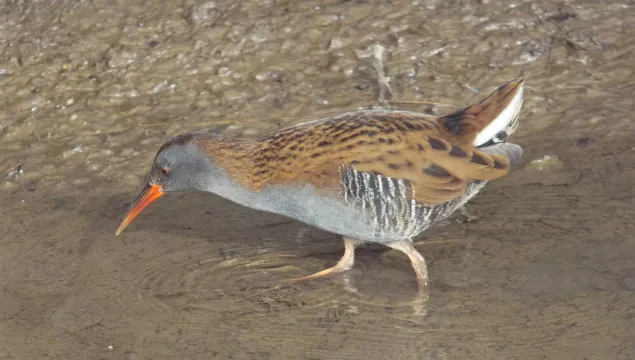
point(147, 195)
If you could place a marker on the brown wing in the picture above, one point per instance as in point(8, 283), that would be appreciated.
point(437, 170)
point(434, 156)
point(393, 144)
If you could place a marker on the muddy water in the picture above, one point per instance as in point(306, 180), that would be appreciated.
point(89, 90)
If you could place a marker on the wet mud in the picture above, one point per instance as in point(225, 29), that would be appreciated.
point(90, 89)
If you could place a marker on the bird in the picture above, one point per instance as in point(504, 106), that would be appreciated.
point(370, 176)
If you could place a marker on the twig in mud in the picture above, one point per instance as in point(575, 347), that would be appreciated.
point(385, 92)
point(471, 88)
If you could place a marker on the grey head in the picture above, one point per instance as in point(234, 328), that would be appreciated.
point(179, 165)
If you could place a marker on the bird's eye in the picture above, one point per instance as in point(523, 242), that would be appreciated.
point(164, 171)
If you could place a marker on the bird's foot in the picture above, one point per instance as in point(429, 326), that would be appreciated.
point(288, 282)
point(345, 263)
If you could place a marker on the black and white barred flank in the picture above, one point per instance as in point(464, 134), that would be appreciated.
point(387, 204)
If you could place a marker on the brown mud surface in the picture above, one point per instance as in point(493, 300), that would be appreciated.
point(90, 89)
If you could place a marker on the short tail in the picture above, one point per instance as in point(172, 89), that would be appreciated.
point(480, 123)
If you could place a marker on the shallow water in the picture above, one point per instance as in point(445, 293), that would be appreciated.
point(90, 90)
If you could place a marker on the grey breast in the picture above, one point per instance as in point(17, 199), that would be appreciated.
point(370, 207)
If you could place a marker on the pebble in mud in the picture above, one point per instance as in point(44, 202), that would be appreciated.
point(547, 163)
point(269, 74)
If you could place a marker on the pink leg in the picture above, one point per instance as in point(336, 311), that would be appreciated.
point(417, 260)
point(345, 263)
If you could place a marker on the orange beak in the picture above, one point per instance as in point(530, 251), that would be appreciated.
point(147, 195)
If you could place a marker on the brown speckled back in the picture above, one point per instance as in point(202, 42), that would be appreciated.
point(435, 156)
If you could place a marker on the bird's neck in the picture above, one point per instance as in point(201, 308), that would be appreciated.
point(234, 157)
